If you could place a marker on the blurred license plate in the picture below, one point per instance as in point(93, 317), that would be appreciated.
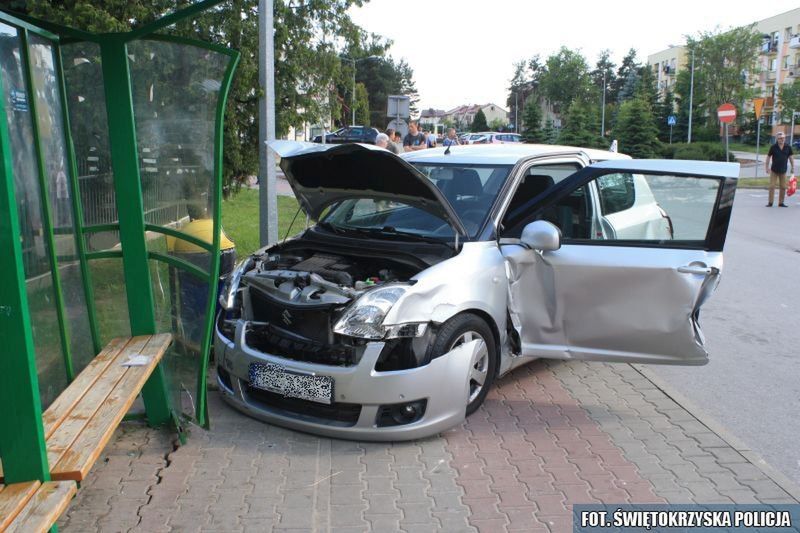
point(275, 378)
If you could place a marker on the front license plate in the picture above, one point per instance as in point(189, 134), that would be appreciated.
point(275, 378)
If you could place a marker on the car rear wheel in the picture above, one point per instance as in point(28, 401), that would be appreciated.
point(463, 329)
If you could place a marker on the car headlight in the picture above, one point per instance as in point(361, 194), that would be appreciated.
point(364, 318)
point(228, 294)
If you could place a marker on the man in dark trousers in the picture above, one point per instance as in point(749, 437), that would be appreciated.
point(781, 155)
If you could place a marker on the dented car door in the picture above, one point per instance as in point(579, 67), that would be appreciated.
point(632, 296)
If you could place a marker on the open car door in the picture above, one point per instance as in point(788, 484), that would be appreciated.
point(640, 252)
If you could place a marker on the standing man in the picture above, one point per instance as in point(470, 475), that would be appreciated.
point(414, 140)
point(781, 155)
point(450, 139)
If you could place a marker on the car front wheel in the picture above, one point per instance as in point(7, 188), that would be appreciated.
point(463, 329)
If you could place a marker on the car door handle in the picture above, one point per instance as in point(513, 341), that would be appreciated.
point(697, 269)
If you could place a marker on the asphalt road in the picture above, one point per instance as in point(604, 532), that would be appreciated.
point(752, 325)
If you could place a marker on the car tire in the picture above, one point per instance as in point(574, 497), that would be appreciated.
point(464, 328)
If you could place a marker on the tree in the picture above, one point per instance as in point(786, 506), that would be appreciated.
point(362, 105)
point(479, 122)
point(582, 126)
point(629, 64)
point(307, 68)
point(524, 84)
point(532, 122)
point(636, 130)
point(646, 86)
point(789, 99)
point(497, 124)
point(565, 79)
point(724, 59)
point(549, 132)
point(665, 107)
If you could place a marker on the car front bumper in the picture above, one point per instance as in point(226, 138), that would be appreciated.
point(358, 389)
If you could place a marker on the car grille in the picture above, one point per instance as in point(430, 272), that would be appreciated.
point(277, 341)
point(336, 414)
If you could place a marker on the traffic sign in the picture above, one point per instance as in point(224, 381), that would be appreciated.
point(726, 113)
point(758, 105)
point(671, 120)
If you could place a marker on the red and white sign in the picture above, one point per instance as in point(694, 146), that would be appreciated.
point(726, 113)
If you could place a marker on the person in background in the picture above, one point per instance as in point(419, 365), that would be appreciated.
point(392, 145)
point(398, 139)
point(451, 139)
point(781, 155)
point(382, 141)
point(430, 139)
point(414, 140)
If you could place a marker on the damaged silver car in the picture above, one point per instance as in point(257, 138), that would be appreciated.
point(425, 277)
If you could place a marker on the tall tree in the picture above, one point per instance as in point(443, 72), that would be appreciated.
point(636, 130)
point(629, 64)
point(665, 108)
point(646, 86)
point(308, 36)
point(532, 122)
point(724, 58)
point(479, 122)
point(362, 105)
point(565, 79)
point(789, 99)
point(582, 126)
point(524, 85)
point(549, 132)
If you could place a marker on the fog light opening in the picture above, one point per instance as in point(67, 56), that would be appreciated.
point(400, 414)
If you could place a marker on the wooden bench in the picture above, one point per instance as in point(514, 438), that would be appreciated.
point(33, 507)
point(79, 424)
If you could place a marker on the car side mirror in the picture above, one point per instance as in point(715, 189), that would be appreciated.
point(541, 235)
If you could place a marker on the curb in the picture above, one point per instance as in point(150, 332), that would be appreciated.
point(789, 486)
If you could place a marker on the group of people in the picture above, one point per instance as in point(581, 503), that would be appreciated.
point(414, 139)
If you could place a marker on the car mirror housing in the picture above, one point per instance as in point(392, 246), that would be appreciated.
point(541, 235)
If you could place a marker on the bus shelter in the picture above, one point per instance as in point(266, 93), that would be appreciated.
point(110, 174)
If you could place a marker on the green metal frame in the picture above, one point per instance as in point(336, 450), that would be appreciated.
point(22, 442)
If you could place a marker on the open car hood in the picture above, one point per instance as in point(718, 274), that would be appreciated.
point(322, 174)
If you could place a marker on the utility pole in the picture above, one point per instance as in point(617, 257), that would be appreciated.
point(691, 100)
point(603, 108)
point(267, 179)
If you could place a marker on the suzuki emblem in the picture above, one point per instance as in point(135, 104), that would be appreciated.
point(287, 317)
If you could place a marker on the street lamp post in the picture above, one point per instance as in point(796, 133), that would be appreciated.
point(691, 99)
point(603, 108)
point(353, 101)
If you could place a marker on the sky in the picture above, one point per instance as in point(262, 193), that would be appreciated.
point(463, 51)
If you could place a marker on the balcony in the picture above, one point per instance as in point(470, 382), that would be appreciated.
point(772, 75)
point(769, 47)
point(794, 42)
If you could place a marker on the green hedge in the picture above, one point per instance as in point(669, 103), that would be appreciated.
point(702, 151)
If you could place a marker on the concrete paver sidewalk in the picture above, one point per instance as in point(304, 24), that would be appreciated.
point(550, 435)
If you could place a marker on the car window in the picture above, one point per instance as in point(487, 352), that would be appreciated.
point(356, 131)
point(537, 180)
point(656, 207)
point(470, 189)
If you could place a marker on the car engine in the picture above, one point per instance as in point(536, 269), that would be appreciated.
point(290, 299)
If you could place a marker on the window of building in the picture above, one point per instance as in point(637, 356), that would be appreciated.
point(773, 64)
point(786, 61)
point(788, 33)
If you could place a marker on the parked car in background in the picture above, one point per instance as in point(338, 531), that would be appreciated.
point(350, 134)
point(492, 137)
point(430, 274)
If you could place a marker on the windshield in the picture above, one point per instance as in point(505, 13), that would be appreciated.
point(470, 189)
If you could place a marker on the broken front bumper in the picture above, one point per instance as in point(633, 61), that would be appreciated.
point(362, 395)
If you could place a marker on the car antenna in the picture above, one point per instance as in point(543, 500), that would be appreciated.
point(447, 152)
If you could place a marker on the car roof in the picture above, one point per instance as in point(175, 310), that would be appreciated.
point(501, 154)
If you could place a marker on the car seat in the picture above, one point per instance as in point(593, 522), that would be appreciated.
point(465, 182)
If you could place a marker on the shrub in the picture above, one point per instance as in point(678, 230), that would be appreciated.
point(702, 151)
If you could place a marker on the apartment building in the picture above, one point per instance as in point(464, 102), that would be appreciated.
point(778, 63)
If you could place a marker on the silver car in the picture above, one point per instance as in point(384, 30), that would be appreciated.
point(428, 276)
